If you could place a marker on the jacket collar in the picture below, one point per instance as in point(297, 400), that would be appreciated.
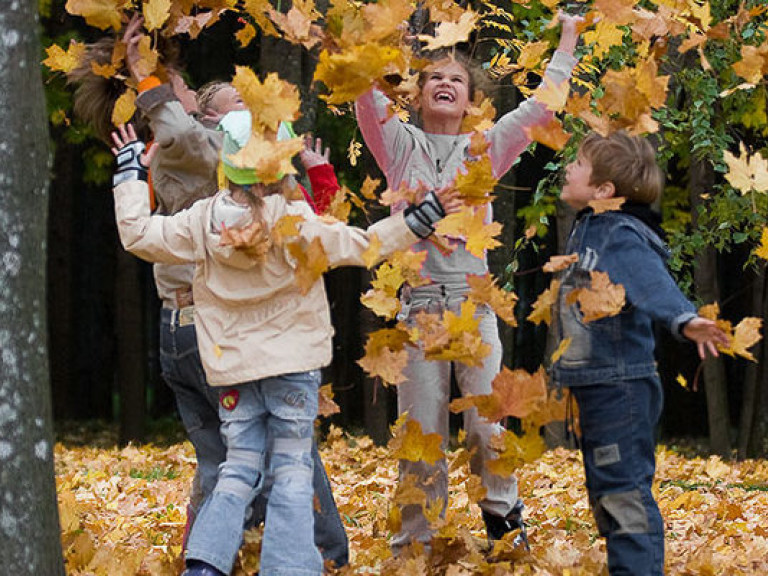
point(642, 212)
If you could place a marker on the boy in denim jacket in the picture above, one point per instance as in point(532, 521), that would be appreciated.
point(609, 365)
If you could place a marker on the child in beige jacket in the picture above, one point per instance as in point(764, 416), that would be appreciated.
point(263, 337)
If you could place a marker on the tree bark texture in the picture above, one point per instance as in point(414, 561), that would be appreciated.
point(701, 181)
point(29, 524)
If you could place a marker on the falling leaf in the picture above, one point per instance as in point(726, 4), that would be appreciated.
point(682, 381)
point(551, 134)
point(601, 299)
point(269, 158)
point(372, 254)
point(542, 308)
point(557, 263)
point(296, 26)
point(483, 289)
point(565, 343)
point(353, 152)
point(270, 102)
point(449, 33)
point(156, 13)
point(471, 225)
point(60, 60)
point(381, 303)
point(515, 393)
point(410, 443)
point(102, 14)
point(514, 451)
point(148, 57)
point(325, 403)
point(311, 263)
point(476, 184)
point(453, 337)
point(607, 204)
point(552, 95)
point(386, 355)
point(125, 108)
point(245, 35)
point(286, 227)
point(745, 335)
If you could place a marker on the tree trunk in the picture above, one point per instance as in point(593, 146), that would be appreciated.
point(29, 530)
point(750, 393)
point(701, 181)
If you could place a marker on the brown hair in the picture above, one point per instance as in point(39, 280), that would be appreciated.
point(629, 162)
point(478, 79)
point(206, 93)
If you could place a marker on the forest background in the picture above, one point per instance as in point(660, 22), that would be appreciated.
point(690, 72)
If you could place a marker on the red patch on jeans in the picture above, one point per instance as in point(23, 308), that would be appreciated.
point(229, 400)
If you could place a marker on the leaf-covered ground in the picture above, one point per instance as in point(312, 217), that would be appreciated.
point(123, 513)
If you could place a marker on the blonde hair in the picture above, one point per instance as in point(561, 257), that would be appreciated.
point(206, 93)
point(629, 162)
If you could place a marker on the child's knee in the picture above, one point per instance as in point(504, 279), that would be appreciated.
point(292, 457)
point(621, 513)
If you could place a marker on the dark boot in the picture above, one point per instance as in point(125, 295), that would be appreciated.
point(497, 526)
point(198, 568)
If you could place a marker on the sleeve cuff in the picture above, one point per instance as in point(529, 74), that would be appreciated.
point(148, 83)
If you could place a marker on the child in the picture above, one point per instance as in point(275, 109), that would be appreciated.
point(260, 339)
point(431, 155)
point(609, 365)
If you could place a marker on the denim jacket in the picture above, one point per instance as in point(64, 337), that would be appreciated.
point(619, 347)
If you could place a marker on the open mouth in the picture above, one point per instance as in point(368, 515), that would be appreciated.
point(444, 97)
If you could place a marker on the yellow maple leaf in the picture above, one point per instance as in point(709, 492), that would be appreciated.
point(762, 250)
point(102, 14)
point(258, 10)
point(270, 102)
point(617, 11)
point(514, 451)
point(385, 355)
point(286, 227)
point(478, 118)
point(483, 289)
point(104, 70)
point(410, 443)
point(339, 207)
point(384, 19)
point(605, 35)
point(311, 263)
point(682, 381)
point(270, 159)
point(747, 173)
point(476, 184)
point(351, 73)
point(389, 278)
point(381, 303)
point(515, 393)
point(542, 308)
point(148, 57)
point(553, 96)
point(246, 34)
point(565, 343)
point(368, 189)
point(455, 337)
point(156, 13)
point(60, 60)
point(470, 224)
point(601, 299)
point(753, 64)
point(531, 54)
point(451, 33)
point(125, 108)
point(296, 26)
point(745, 335)
point(372, 254)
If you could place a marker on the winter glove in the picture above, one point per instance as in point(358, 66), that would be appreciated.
point(129, 166)
point(421, 218)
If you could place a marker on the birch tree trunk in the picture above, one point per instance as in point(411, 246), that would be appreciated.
point(29, 524)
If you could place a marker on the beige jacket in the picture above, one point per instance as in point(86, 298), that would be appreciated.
point(251, 320)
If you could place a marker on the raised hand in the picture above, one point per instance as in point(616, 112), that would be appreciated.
point(313, 153)
point(132, 159)
point(131, 38)
point(706, 334)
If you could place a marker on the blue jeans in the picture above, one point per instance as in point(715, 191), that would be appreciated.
point(617, 441)
point(196, 402)
point(266, 421)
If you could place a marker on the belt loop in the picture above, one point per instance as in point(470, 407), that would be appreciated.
point(174, 315)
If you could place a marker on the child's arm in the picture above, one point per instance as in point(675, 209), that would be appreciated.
point(322, 176)
point(153, 238)
point(508, 137)
point(705, 333)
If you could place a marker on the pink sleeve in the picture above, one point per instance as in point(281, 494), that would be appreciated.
point(372, 113)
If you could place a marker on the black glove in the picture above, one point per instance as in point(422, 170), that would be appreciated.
point(421, 218)
point(129, 166)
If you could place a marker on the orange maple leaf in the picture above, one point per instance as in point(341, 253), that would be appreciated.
point(454, 337)
point(557, 263)
point(514, 451)
point(386, 355)
point(485, 291)
point(470, 224)
point(270, 102)
point(476, 184)
point(325, 403)
point(286, 227)
point(542, 308)
point(102, 14)
point(551, 134)
point(451, 33)
point(602, 299)
point(607, 204)
point(515, 393)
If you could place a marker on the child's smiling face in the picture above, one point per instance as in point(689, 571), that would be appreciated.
point(578, 191)
point(445, 91)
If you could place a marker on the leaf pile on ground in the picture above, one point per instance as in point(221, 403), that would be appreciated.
point(123, 513)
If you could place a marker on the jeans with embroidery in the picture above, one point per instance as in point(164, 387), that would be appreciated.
point(269, 420)
point(617, 423)
point(196, 402)
point(426, 395)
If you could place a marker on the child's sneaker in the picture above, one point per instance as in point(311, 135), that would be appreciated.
point(497, 526)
